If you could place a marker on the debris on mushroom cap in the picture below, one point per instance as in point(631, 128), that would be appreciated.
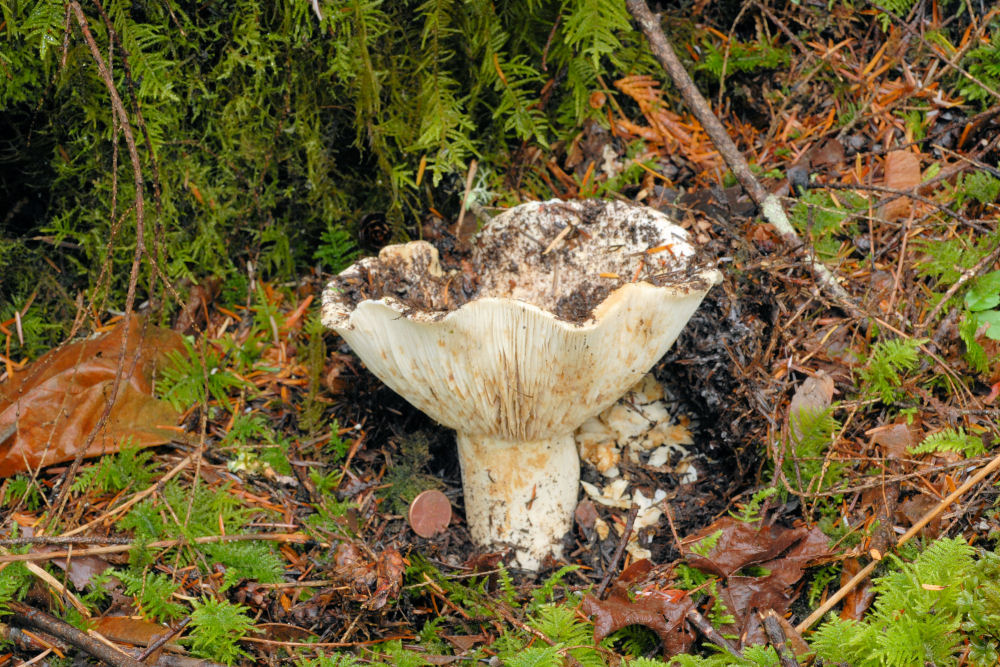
point(555, 261)
point(640, 421)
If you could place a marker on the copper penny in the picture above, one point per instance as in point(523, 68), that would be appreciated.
point(430, 513)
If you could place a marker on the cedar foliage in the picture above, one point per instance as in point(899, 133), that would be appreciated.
point(266, 131)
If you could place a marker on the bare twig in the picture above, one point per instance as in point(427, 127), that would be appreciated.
point(134, 499)
point(61, 539)
point(140, 244)
point(613, 565)
point(769, 203)
point(695, 618)
point(163, 639)
point(297, 538)
point(776, 634)
point(25, 615)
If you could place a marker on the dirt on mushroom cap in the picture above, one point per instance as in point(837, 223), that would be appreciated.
point(570, 259)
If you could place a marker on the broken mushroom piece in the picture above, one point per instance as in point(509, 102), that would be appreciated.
point(561, 307)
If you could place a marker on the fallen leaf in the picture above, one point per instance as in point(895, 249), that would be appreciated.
point(858, 599)
point(902, 172)
point(465, 642)
point(128, 630)
point(783, 553)
point(193, 314)
point(663, 612)
point(81, 569)
point(55, 403)
point(896, 439)
point(829, 154)
point(813, 396)
point(585, 515)
point(914, 509)
point(739, 544)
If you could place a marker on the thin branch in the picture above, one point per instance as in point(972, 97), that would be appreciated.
point(769, 203)
point(613, 565)
point(25, 615)
point(119, 110)
point(291, 538)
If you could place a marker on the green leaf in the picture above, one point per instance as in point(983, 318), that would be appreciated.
point(991, 317)
point(985, 293)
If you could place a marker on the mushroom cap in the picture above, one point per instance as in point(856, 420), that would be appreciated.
point(550, 339)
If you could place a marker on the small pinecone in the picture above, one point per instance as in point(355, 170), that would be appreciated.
point(374, 231)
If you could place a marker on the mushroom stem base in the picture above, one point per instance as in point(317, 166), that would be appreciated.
point(520, 493)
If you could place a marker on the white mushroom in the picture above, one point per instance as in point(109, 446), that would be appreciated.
point(575, 301)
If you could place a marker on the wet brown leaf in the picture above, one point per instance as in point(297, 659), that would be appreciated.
point(741, 543)
point(57, 400)
point(784, 553)
point(663, 612)
point(857, 601)
point(829, 154)
point(635, 571)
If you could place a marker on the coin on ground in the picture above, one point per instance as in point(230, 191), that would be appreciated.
point(430, 513)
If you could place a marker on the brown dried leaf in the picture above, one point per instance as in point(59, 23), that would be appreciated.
point(466, 642)
point(194, 314)
point(128, 630)
point(896, 439)
point(585, 515)
point(814, 395)
point(81, 569)
point(902, 172)
point(913, 509)
point(352, 566)
point(58, 400)
point(829, 154)
point(663, 612)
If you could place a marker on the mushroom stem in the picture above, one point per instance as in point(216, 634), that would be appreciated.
point(520, 493)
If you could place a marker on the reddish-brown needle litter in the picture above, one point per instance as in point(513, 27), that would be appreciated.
point(430, 513)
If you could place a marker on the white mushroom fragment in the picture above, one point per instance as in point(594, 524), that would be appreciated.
point(639, 421)
point(561, 307)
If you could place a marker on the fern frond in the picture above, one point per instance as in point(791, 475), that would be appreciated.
point(950, 440)
point(888, 362)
